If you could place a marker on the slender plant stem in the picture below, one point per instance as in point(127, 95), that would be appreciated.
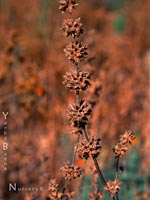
point(117, 173)
point(99, 172)
point(75, 151)
point(85, 134)
point(117, 167)
point(117, 197)
point(77, 98)
point(77, 92)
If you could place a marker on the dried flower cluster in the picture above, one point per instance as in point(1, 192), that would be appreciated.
point(55, 194)
point(71, 171)
point(120, 150)
point(77, 81)
point(91, 148)
point(53, 188)
point(125, 141)
point(127, 138)
point(95, 195)
point(113, 187)
point(72, 27)
point(67, 5)
point(78, 114)
point(76, 52)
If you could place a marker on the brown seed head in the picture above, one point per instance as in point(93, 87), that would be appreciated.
point(71, 171)
point(120, 150)
point(113, 187)
point(78, 114)
point(89, 149)
point(53, 189)
point(76, 52)
point(77, 81)
point(127, 137)
point(125, 141)
point(55, 194)
point(72, 27)
point(67, 5)
point(95, 195)
point(66, 196)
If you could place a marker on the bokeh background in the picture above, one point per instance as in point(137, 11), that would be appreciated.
point(32, 65)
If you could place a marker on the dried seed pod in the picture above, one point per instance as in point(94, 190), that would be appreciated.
point(120, 150)
point(66, 195)
point(72, 27)
point(76, 52)
point(55, 194)
point(127, 138)
point(125, 141)
point(113, 187)
point(71, 171)
point(78, 114)
point(77, 81)
point(53, 188)
point(91, 148)
point(67, 5)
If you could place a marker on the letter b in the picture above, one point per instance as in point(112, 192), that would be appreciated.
point(5, 146)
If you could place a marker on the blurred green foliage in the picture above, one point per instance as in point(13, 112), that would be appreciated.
point(115, 5)
point(119, 24)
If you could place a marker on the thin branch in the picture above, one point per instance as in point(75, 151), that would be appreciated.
point(117, 173)
point(85, 134)
point(75, 150)
point(117, 167)
point(77, 98)
point(99, 172)
point(117, 197)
